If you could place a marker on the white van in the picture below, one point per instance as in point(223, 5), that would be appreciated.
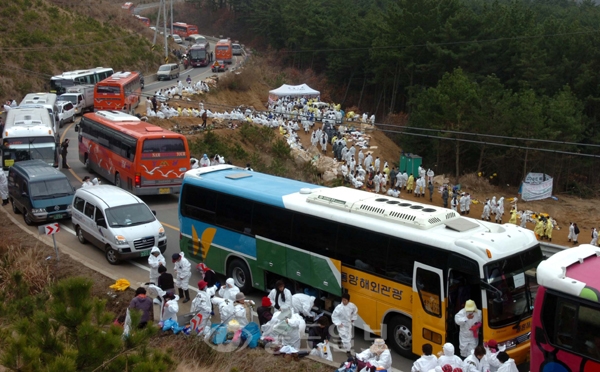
point(117, 222)
point(48, 100)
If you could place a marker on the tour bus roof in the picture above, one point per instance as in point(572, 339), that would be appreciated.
point(573, 271)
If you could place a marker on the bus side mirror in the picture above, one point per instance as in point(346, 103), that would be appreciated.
point(76, 129)
point(154, 212)
point(101, 222)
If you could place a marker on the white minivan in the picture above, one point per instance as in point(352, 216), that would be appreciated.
point(117, 222)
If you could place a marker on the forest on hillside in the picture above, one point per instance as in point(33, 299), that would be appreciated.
point(514, 68)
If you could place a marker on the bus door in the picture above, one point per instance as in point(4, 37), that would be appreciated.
point(428, 305)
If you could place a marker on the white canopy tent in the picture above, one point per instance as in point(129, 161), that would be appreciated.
point(301, 90)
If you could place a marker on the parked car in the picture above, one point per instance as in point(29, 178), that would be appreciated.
point(168, 71)
point(66, 112)
point(177, 39)
point(236, 49)
point(39, 191)
point(117, 222)
point(219, 66)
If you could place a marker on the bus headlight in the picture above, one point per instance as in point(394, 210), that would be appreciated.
point(161, 232)
point(120, 239)
point(38, 210)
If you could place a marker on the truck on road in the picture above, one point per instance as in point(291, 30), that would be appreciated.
point(81, 96)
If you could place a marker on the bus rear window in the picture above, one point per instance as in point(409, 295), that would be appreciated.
point(163, 145)
point(108, 89)
point(225, 48)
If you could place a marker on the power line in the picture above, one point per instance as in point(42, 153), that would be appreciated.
point(494, 144)
point(489, 135)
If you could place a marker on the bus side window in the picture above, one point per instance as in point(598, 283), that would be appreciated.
point(565, 316)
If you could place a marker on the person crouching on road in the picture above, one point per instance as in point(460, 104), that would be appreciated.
point(202, 305)
point(183, 270)
point(375, 357)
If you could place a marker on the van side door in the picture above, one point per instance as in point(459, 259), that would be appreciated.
point(89, 222)
point(101, 226)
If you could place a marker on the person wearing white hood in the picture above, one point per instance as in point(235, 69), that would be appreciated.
point(427, 362)
point(229, 290)
point(469, 321)
point(508, 364)
point(205, 161)
point(449, 357)
point(184, 273)
point(155, 260)
point(302, 304)
point(280, 296)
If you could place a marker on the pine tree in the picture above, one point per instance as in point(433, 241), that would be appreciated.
point(73, 332)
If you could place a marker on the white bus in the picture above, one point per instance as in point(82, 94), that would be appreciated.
point(60, 83)
point(29, 136)
point(408, 266)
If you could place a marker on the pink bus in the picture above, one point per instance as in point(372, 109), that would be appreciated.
point(566, 316)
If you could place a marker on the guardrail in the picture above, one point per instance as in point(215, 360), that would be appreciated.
point(548, 249)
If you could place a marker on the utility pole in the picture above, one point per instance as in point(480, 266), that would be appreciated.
point(171, 17)
point(164, 4)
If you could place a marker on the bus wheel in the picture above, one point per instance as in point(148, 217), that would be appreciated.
point(238, 270)
point(399, 335)
point(117, 180)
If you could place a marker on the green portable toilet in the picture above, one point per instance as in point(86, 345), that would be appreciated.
point(410, 163)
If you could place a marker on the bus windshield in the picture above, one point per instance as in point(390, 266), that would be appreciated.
point(56, 84)
point(19, 149)
point(512, 292)
point(108, 89)
point(197, 54)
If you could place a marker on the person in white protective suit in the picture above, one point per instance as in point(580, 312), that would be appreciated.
point(205, 161)
point(430, 175)
point(343, 317)
point(183, 268)
point(170, 308)
point(302, 304)
point(194, 163)
point(491, 355)
point(449, 358)
point(377, 356)
point(476, 362)
point(469, 321)
point(229, 290)
point(508, 364)
point(3, 188)
point(485, 215)
point(594, 241)
point(201, 305)
point(280, 296)
point(155, 260)
point(240, 309)
point(426, 362)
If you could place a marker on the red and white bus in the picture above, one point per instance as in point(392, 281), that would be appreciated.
point(144, 20)
point(120, 91)
point(184, 30)
point(199, 55)
point(566, 316)
point(137, 156)
point(223, 51)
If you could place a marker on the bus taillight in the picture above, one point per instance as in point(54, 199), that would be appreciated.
point(138, 180)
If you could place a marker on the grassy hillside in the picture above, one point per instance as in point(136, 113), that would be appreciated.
point(41, 38)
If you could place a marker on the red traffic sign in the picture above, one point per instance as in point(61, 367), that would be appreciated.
point(196, 321)
point(52, 228)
